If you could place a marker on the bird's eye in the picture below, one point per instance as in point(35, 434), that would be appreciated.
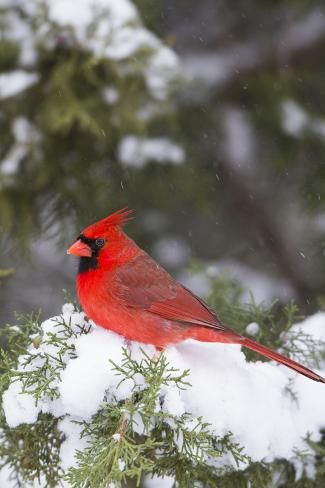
point(100, 242)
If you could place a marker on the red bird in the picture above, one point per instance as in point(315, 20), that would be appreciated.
point(121, 288)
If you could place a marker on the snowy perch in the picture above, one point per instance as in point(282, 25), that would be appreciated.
point(252, 400)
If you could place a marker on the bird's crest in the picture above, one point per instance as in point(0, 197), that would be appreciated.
point(117, 219)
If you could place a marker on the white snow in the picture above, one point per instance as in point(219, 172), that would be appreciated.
point(5, 481)
point(20, 408)
point(110, 95)
point(240, 150)
point(14, 82)
point(120, 12)
point(22, 130)
point(294, 119)
point(10, 164)
point(127, 41)
point(25, 135)
point(249, 399)
point(116, 436)
point(252, 328)
point(121, 464)
point(155, 482)
point(93, 366)
point(73, 441)
point(68, 309)
point(137, 152)
point(162, 70)
point(172, 401)
point(18, 30)
point(110, 28)
point(118, 34)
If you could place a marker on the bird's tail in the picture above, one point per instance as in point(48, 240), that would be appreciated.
point(269, 353)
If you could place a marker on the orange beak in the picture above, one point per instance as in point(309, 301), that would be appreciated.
point(79, 248)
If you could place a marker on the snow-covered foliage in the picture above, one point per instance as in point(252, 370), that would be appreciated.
point(84, 376)
point(14, 82)
point(124, 64)
point(136, 152)
point(26, 137)
point(110, 29)
point(296, 121)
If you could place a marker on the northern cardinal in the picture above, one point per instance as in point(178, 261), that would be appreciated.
point(121, 288)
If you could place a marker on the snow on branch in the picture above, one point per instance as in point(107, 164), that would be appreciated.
point(139, 74)
point(108, 28)
point(111, 410)
point(136, 152)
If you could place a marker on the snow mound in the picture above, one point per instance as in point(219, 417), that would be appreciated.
point(252, 400)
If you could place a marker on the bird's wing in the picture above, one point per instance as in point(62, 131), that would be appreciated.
point(144, 285)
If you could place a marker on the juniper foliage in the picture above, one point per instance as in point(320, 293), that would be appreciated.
point(275, 322)
point(132, 439)
point(173, 446)
point(32, 452)
point(168, 445)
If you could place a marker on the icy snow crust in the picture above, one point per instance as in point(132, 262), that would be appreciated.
point(248, 399)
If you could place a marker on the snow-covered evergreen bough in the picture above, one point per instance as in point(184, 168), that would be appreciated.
point(81, 406)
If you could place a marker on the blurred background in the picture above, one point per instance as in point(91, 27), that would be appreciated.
point(205, 117)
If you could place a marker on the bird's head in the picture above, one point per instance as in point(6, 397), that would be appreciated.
point(100, 241)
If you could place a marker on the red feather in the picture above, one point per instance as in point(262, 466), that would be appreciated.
point(117, 219)
point(129, 293)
